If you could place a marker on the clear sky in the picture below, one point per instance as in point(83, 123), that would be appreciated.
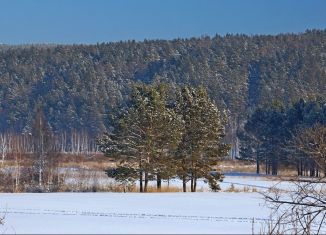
point(92, 21)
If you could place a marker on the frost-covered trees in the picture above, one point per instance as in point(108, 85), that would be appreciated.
point(80, 83)
point(163, 137)
point(145, 135)
point(200, 146)
point(287, 135)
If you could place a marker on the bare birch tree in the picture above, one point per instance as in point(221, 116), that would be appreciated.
point(5, 143)
point(43, 145)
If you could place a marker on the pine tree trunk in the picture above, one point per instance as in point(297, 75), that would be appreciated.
point(184, 183)
point(159, 182)
point(192, 183)
point(141, 181)
point(195, 184)
point(312, 172)
point(266, 167)
point(274, 167)
point(257, 166)
point(299, 169)
point(146, 181)
point(312, 169)
point(269, 168)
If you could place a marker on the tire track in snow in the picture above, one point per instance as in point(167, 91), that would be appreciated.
point(51, 212)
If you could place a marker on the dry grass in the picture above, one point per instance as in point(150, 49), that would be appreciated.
point(99, 162)
point(288, 172)
point(244, 189)
point(236, 166)
point(250, 167)
point(164, 189)
point(87, 172)
point(114, 187)
point(91, 162)
point(95, 161)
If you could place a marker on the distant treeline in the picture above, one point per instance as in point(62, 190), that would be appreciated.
point(81, 87)
point(276, 135)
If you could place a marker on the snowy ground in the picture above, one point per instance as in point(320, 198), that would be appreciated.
point(132, 213)
point(202, 212)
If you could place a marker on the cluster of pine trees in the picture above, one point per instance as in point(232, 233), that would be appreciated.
point(167, 132)
point(288, 135)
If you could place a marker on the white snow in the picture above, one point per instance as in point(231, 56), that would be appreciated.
point(132, 212)
point(199, 213)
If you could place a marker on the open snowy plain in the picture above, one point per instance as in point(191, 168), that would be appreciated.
point(202, 212)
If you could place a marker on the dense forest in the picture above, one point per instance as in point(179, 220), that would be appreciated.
point(294, 135)
point(81, 87)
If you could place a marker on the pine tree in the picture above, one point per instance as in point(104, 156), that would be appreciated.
point(145, 135)
point(200, 146)
point(167, 134)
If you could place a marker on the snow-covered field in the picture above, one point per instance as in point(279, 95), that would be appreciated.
point(203, 212)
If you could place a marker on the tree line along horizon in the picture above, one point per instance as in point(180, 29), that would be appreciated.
point(81, 86)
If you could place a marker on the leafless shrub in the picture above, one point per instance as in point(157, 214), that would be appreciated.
point(2, 220)
point(164, 189)
point(300, 210)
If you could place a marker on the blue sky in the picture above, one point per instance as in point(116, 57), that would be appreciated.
point(92, 21)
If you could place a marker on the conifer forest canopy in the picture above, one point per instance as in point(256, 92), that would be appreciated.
point(81, 87)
